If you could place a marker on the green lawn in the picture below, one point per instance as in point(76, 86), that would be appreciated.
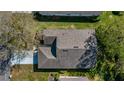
point(26, 73)
point(104, 17)
point(65, 25)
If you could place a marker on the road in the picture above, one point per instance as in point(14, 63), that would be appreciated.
point(5, 76)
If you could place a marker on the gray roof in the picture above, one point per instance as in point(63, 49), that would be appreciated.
point(70, 39)
point(71, 13)
point(47, 52)
point(72, 78)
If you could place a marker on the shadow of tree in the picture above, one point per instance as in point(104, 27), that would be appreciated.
point(88, 59)
point(5, 56)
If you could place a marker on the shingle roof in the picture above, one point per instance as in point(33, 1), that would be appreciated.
point(72, 78)
point(72, 40)
point(67, 39)
point(47, 52)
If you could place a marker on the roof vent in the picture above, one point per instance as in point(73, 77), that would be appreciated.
point(75, 46)
point(63, 34)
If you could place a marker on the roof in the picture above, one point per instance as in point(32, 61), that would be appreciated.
point(70, 39)
point(47, 52)
point(72, 78)
point(70, 13)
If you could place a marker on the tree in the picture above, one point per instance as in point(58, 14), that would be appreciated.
point(5, 52)
point(17, 33)
point(110, 38)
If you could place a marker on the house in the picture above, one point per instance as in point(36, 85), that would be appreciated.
point(69, 13)
point(67, 49)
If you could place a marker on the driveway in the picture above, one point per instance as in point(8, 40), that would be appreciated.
point(28, 59)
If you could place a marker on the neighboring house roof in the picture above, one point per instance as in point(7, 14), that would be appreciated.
point(70, 39)
point(27, 12)
point(72, 78)
point(70, 13)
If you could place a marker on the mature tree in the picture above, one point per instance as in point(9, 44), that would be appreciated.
point(110, 37)
point(5, 52)
point(17, 33)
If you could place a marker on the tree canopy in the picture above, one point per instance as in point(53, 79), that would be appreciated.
point(17, 33)
point(110, 38)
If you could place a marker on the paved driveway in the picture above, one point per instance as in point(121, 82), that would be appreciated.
point(28, 59)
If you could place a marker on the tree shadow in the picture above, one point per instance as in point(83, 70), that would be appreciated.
point(88, 59)
point(5, 56)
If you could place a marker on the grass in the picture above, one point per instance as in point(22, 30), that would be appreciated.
point(105, 17)
point(26, 71)
point(41, 25)
point(64, 25)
